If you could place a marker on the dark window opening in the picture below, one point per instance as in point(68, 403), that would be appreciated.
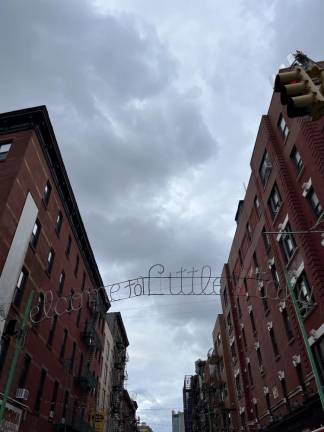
point(40, 390)
point(287, 324)
point(68, 246)
point(274, 201)
point(287, 243)
point(20, 287)
point(265, 168)
point(50, 261)
point(76, 268)
point(59, 221)
point(304, 295)
point(24, 371)
point(274, 342)
point(35, 234)
point(4, 150)
point(297, 160)
point(62, 351)
point(47, 193)
point(52, 330)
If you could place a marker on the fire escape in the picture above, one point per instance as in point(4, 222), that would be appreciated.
point(120, 376)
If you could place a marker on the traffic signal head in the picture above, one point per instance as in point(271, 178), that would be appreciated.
point(302, 91)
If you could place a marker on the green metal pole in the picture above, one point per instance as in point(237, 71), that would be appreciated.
point(19, 345)
point(318, 382)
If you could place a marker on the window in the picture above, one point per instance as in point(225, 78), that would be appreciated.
point(297, 160)
point(24, 371)
point(40, 390)
point(256, 411)
point(285, 393)
point(259, 355)
point(72, 357)
point(78, 318)
point(240, 257)
point(266, 239)
point(287, 243)
point(35, 234)
point(239, 310)
point(303, 294)
point(244, 338)
point(76, 268)
point(21, 283)
point(229, 322)
point(54, 396)
point(68, 246)
point(59, 221)
point(52, 330)
point(238, 386)
point(253, 322)
point(83, 281)
point(267, 396)
point(4, 346)
point(275, 276)
point(61, 281)
point(39, 309)
point(47, 193)
point(314, 203)
point(65, 403)
point(256, 264)
point(274, 201)
point(301, 378)
point(265, 168)
point(233, 351)
point(264, 299)
point(4, 150)
point(283, 127)
point(257, 206)
point(287, 324)
point(274, 342)
point(250, 373)
point(245, 287)
point(318, 350)
point(225, 296)
point(249, 230)
point(50, 261)
point(80, 365)
point(63, 344)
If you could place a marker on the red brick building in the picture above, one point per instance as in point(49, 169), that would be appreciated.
point(273, 245)
point(44, 248)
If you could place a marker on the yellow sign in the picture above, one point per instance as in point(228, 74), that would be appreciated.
point(99, 421)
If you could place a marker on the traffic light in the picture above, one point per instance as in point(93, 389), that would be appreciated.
point(302, 91)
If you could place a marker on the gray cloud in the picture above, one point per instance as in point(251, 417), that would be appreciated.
point(156, 107)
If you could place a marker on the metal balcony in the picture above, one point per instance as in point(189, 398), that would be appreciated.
point(86, 380)
point(91, 337)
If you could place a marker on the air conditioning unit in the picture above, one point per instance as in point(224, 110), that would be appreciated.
point(306, 187)
point(22, 393)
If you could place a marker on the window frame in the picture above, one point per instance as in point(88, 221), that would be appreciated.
point(298, 164)
point(285, 239)
point(283, 127)
point(274, 201)
point(310, 198)
point(59, 222)
point(265, 168)
point(50, 261)
point(20, 287)
point(47, 193)
point(302, 278)
point(35, 236)
point(4, 153)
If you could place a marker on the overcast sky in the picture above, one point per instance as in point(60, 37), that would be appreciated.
point(156, 106)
